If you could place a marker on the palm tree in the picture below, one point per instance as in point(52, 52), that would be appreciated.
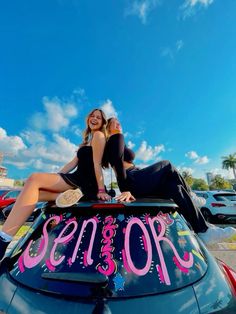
point(229, 162)
point(187, 177)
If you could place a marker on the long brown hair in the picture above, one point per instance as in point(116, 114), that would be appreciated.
point(87, 131)
point(105, 162)
point(108, 124)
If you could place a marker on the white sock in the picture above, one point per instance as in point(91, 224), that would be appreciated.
point(5, 237)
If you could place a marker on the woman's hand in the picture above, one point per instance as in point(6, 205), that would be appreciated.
point(103, 196)
point(125, 197)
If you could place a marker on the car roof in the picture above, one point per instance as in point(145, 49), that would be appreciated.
point(216, 191)
point(7, 188)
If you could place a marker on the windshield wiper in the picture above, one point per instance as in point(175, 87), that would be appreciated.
point(91, 279)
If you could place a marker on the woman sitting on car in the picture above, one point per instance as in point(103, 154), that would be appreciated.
point(161, 180)
point(47, 186)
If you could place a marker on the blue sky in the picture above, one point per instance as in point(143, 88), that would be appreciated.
point(166, 68)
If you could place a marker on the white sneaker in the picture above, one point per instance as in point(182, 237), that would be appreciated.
point(68, 198)
point(214, 235)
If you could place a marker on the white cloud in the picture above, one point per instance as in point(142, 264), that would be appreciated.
point(179, 45)
point(39, 164)
point(141, 9)
point(202, 160)
point(127, 134)
point(197, 159)
point(192, 155)
point(109, 109)
point(46, 155)
point(147, 152)
point(142, 165)
point(79, 91)
point(130, 144)
point(10, 144)
point(170, 52)
point(190, 7)
point(186, 169)
point(193, 3)
point(37, 150)
point(227, 174)
point(19, 164)
point(33, 137)
point(77, 131)
point(56, 116)
point(60, 150)
point(167, 52)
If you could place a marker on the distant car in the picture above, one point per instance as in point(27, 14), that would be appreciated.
point(37, 211)
point(8, 197)
point(109, 258)
point(4, 190)
point(220, 206)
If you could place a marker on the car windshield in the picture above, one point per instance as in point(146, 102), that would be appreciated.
point(225, 197)
point(3, 191)
point(121, 252)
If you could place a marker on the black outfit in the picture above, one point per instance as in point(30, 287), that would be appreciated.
point(161, 180)
point(84, 176)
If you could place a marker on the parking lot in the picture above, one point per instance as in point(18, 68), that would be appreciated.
point(226, 251)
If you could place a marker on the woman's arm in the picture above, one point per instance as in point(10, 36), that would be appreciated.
point(70, 165)
point(115, 155)
point(98, 145)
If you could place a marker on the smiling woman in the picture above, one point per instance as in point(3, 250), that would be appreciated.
point(87, 176)
point(160, 180)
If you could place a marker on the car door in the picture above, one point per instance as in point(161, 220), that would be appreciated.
point(9, 198)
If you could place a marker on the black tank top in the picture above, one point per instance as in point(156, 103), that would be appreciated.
point(84, 175)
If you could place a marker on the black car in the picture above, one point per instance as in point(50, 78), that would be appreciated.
point(98, 257)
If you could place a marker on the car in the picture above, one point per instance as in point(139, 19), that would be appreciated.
point(110, 257)
point(3, 190)
point(8, 197)
point(37, 211)
point(220, 206)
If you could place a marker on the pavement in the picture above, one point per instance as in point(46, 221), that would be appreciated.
point(225, 251)
point(228, 256)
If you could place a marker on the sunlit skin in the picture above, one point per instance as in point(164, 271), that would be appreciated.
point(47, 186)
point(95, 121)
point(114, 127)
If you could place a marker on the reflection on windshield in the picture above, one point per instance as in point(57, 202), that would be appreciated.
point(225, 197)
point(155, 250)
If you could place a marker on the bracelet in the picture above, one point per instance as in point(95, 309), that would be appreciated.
point(101, 191)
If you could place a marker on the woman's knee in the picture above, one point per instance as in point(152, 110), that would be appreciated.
point(166, 163)
point(33, 178)
point(168, 166)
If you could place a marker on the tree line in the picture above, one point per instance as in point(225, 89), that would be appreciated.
point(218, 182)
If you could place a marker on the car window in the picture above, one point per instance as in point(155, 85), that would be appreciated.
point(138, 252)
point(225, 197)
point(7, 196)
point(12, 194)
point(3, 192)
point(204, 195)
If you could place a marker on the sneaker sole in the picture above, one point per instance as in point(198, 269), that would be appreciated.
point(68, 198)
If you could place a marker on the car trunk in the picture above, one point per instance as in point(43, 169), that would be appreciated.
point(109, 249)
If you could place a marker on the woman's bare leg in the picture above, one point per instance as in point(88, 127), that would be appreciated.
point(29, 196)
point(47, 196)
